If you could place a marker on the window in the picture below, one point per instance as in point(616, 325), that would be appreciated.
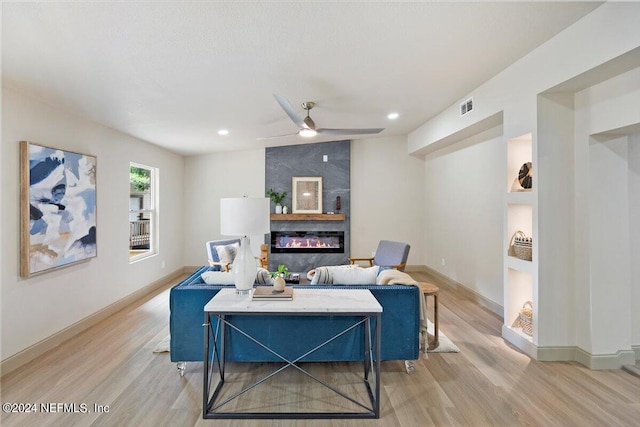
point(143, 215)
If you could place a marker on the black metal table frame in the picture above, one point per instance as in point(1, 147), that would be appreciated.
point(369, 364)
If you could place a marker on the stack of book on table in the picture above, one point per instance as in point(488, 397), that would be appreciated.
point(262, 293)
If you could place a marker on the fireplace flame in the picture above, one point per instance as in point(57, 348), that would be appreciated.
point(294, 242)
point(309, 242)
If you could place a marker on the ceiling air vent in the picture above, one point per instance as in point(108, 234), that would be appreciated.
point(466, 107)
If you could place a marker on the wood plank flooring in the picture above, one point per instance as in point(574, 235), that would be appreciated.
point(489, 383)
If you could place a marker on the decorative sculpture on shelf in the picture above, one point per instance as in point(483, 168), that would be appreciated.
point(338, 203)
point(525, 176)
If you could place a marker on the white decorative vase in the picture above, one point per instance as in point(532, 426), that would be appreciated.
point(279, 284)
point(244, 268)
point(278, 208)
point(285, 209)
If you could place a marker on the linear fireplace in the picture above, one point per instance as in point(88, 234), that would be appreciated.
point(307, 242)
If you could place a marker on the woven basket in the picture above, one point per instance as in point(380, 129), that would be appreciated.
point(525, 318)
point(522, 245)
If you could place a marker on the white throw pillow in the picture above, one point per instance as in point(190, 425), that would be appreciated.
point(227, 253)
point(263, 277)
point(354, 275)
point(226, 277)
point(321, 276)
point(217, 277)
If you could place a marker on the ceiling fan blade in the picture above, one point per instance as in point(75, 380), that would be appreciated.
point(286, 106)
point(277, 136)
point(349, 131)
point(308, 121)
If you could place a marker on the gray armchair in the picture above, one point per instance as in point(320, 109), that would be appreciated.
point(214, 258)
point(389, 254)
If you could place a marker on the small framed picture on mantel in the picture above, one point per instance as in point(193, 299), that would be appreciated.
point(307, 194)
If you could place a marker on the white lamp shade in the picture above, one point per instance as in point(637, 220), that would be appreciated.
point(244, 216)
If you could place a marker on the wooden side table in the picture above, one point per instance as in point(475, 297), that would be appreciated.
point(429, 289)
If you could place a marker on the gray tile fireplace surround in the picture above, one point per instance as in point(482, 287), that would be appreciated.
point(283, 163)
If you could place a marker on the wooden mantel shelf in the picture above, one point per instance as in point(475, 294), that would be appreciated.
point(308, 217)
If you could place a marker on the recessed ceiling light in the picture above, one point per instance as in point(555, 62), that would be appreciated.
point(223, 132)
point(393, 116)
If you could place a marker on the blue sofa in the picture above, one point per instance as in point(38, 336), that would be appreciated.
point(288, 334)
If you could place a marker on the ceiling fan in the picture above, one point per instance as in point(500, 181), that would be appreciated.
point(307, 125)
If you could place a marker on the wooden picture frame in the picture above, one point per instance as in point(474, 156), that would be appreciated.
point(307, 194)
point(57, 208)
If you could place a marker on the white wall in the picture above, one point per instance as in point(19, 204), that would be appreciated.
point(463, 219)
point(555, 231)
point(609, 266)
point(387, 197)
point(609, 31)
point(585, 53)
point(634, 234)
point(36, 308)
point(209, 178)
point(606, 213)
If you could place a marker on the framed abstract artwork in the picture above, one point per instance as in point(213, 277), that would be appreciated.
point(307, 194)
point(57, 208)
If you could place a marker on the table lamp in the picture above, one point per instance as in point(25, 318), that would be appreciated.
point(244, 216)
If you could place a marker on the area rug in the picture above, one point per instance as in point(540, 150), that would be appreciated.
point(163, 346)
point(445, 344)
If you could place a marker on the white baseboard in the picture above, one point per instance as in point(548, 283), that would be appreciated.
point(606, 361)
point(591, 361)
point(520, 342)
point(632, 369)
point(557, 354)
point(30, 353)
point(548, 354)
point(473, 295)
point(416, 268)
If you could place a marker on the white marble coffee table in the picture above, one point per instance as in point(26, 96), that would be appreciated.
point(306, 302)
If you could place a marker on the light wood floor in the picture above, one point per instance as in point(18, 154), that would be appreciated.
point(487, 383)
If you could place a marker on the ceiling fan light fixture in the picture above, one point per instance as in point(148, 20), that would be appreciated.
point(307, 133)
point(307, 127)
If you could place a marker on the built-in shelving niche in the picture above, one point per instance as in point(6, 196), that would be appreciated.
point(520, 275)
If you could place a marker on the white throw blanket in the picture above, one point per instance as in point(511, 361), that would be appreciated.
point(396, 277)
point(323, 275)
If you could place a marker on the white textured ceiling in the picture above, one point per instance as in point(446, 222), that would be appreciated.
point(174, 73)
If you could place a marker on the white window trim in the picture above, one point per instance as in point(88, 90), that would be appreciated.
point(153, 213)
